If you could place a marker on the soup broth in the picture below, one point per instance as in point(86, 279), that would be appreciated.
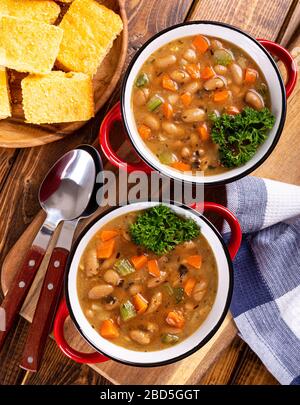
point(140, 300)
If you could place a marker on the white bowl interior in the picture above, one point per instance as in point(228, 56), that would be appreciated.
point(125, 355)
point(228, 34)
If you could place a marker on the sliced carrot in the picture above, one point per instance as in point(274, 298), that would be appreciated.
point(153, 268)
point(106, 249)
point(201, 44)
point(250, 75)
point(193, 70)
point(144, 131)
point(140, 303)
point(186, 98)
point(109, 234)
point(108, 329)
point(221, 96)
point(195, 261)
point(203, 132)
point(184, 167)
point(139, 261)
point(175, 318)
point(232, 110)
point(189, 285)
point(168, 83)
point(207, 73)
point(167, 110)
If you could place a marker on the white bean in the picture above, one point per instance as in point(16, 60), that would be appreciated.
point(190, 55)
point(216, 44)
point(172, 129)
point(111, 277)
point(254, 99)
point(100, 291)
point(140, 336)
point(135, 289)
point(215, 83)
point(192, 87)
point(155, 281)
point(220, 69)
point(155, 302)
point(165, 61)
point(185, 152)
point(193, 115)
point(199, 290)
point(180, 76)
point(151, 121)
point(140, 97)
point(236, 73)
point(173, 98)
point(91, 263)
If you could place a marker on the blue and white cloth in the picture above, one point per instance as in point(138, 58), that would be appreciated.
point(266, 296)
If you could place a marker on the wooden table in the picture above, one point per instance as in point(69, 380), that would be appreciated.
point(21, 172)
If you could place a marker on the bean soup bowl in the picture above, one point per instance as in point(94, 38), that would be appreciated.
point(259, 50)
point(106, 349)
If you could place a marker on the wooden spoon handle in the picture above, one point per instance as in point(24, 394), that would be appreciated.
point(19, 288)
point(45, 310)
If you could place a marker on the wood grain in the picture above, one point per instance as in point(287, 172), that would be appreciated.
point(15, 133)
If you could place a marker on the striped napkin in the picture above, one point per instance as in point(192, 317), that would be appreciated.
point(266, 297)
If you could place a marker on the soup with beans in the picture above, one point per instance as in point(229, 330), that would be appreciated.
point(141, 300)
point(186, 89)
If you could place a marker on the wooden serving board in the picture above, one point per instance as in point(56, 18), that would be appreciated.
point(15, 133)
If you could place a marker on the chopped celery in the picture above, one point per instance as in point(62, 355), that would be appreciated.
point(169, 289)
point(168, 338)
point(223, 57)
point(124, 267)
point(167, 157)
point(127, 311)
point(154, 103)
point(142, 80)
point(178, 294)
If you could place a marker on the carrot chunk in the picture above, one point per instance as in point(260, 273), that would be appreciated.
point(153, 268)
point(186, 98)
point(109, 234)
point(203, 132)
point(221, 96)
point(184, 167)
point(144, 131)
point(168, 83)
point(167, 110)
point(140, 303)
point(250, 75)
point(106, 249)
point(108, 329)
point(207, 73)
point(193, 70)
point(176, 319)
point(201, 44)
point(139, 261)
point(195, 261)
point(189, 285)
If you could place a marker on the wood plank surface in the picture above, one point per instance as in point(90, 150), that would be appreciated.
point(18, 205)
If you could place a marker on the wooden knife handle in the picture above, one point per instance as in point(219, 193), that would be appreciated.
point(45, 310)
point(19, 288)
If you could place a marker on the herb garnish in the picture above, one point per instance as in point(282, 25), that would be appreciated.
point(159, 229)
point(239, 136)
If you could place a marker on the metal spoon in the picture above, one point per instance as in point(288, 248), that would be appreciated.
point(52, 285)
point(63, 195)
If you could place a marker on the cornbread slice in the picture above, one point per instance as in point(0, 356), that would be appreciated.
point(27, 45)
point(5, 110)
point(57, 97)
point(41, 10)
point(89, 31)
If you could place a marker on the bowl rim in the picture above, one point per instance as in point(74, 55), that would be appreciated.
point(212, 332)
point(177, 175)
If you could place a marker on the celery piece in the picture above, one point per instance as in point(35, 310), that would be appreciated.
point(142, 80)
point(168, 338)
point(127, 311)
point(124, 267)
point(154, 103)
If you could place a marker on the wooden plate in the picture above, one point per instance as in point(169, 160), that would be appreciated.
point(15, 133)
